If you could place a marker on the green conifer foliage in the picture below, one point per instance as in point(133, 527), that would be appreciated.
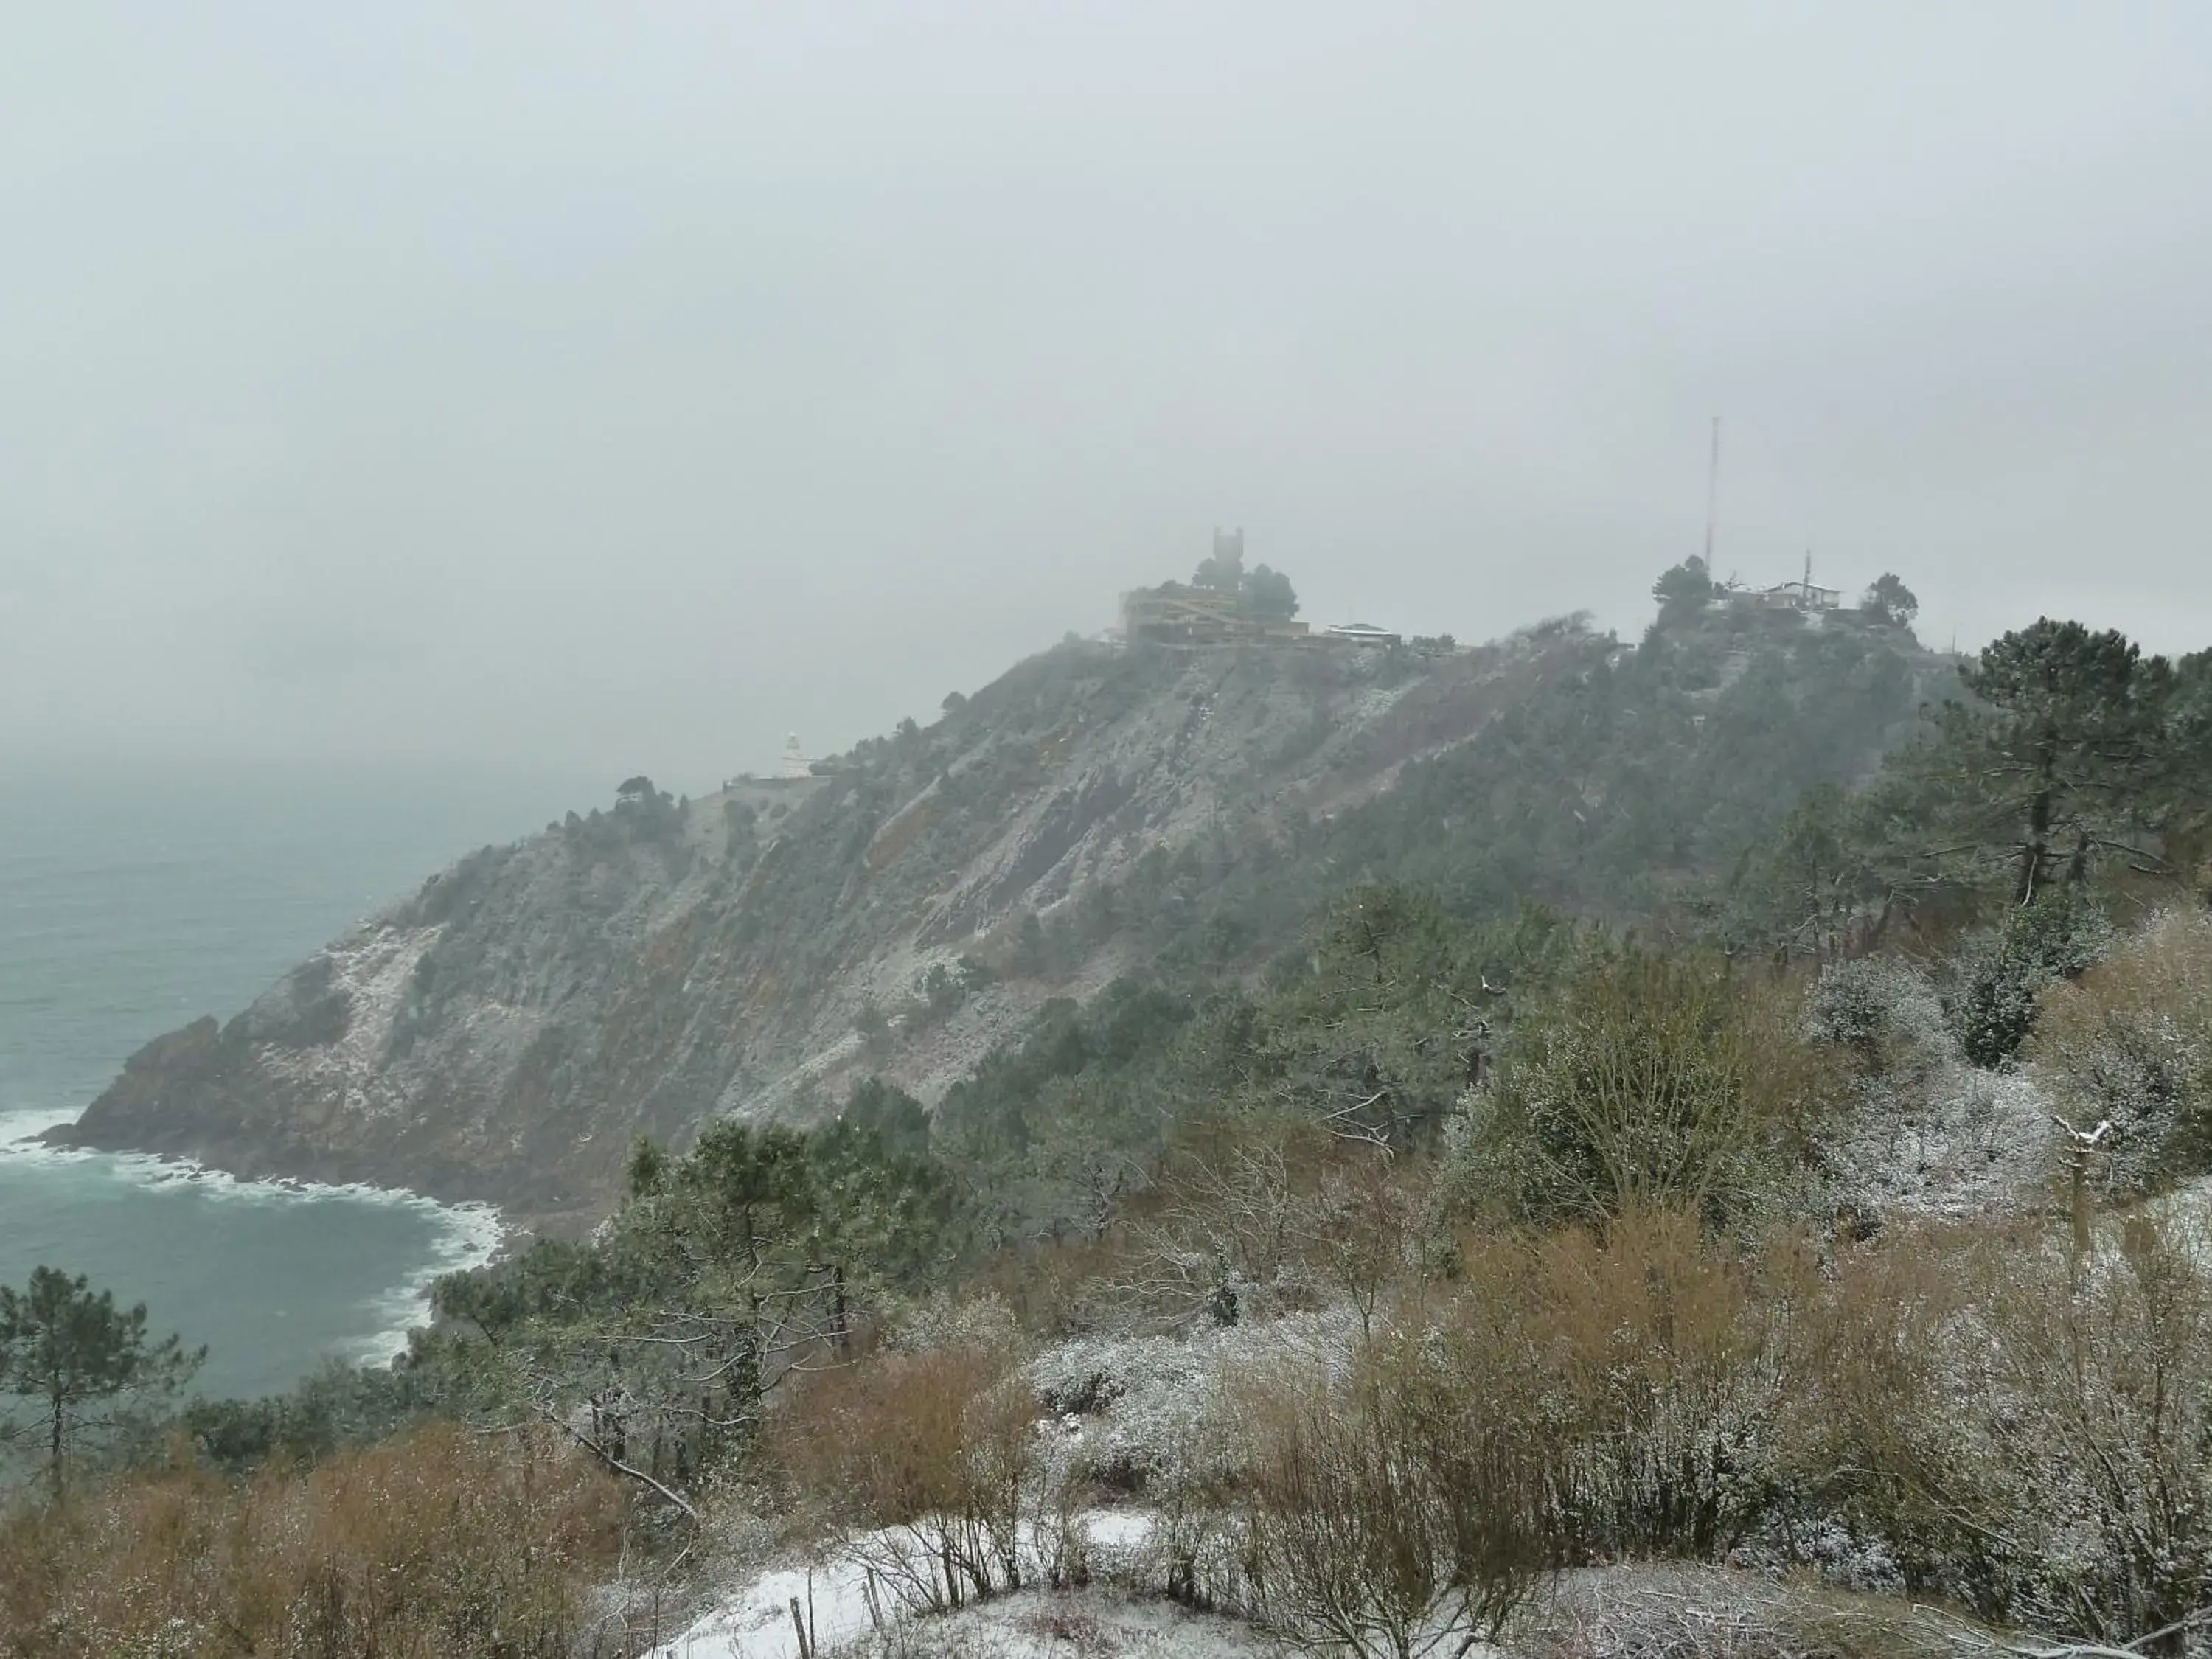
point(69, 1351)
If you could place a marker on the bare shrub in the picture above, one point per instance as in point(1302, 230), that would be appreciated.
point(927, 1452)
point(1667, 1358)
point(1398, 1512)
point(1057, 1286)
point(1360, 1228)
point(1216, 1241)
point(2130, 1043)
point(1670, 1354)
point(1260, 1215)
point(1644, 1372)
point(439, 1543)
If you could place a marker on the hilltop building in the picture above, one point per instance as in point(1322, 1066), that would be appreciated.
point(1178, 613)
point(1360, 633)
point(1786, 596)
point(1804, 594)
point(1224, 605)
point(794, 763)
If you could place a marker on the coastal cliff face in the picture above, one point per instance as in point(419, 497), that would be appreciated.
point(505, 1032)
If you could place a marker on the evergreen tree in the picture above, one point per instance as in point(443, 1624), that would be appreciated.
point(68, 1349)
point(1269, 594)
point(2056, 762)
point(1684, 590)
point(2184, 784)
point(1892, 601)
point(1995, 1004)
point(1812, 890)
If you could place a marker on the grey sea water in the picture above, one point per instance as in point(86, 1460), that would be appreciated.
point(131, 903)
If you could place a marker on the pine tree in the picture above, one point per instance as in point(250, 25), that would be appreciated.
point(1890, 599)
point(2056, 763)
point(67, 1348)
point(1684, 591)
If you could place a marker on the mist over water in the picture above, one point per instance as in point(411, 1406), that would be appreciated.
point(131, 904)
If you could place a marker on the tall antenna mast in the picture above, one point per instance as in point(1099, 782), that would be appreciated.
point(1712, 491)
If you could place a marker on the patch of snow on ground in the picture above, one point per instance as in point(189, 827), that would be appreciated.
point(835, 1599)
point(1085, 1624)
point(757, 1624)
point(1973, 1142)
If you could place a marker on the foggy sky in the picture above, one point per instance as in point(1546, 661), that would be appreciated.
point(618, 387)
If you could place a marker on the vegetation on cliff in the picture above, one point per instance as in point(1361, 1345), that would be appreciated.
point(1092, 814)
point(1667, 1105)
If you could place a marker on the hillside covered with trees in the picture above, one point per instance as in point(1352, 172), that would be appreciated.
point(1095, 813)
point(1697, 1146)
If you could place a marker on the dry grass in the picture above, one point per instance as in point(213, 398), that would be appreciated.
point(930, 1452)
point(1669, 1357)
point(436, 1544)
point(1395, 1513)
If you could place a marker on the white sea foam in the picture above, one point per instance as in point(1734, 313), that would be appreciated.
point(467, 1235)
point(16, 1128)
point(470, 1235)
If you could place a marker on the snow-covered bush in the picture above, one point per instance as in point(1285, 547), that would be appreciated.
point(2129, 1043)
point(1957, 1143)
point(1156, 1419)
point(2030, 1427)
point(982, 1323)
point(1828, 1545)
point(1883, 1013)
point(1087, 1374)
point(1147, 1402)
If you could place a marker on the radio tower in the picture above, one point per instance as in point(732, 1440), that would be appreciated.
point(1712, 493)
